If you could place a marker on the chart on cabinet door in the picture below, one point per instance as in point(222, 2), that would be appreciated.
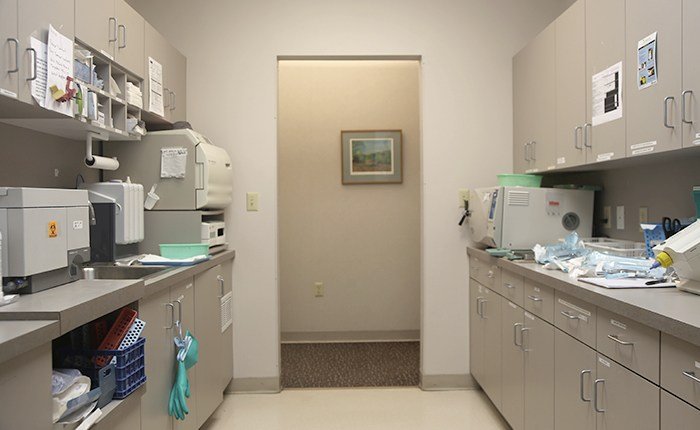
point(607, 95)
point(647, 74)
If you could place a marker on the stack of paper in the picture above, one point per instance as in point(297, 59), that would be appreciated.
point(134, 95)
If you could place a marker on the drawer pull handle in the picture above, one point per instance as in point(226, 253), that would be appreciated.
point(571, 317)
point(615, 339)
point(522, 339)
point(534, 298)
point(581, 377)
point(691, 375)
point(595, 395)
point(510, 287)
point(490, 274)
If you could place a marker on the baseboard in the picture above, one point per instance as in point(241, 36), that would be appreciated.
point(254, 385)
point(351, 336)
point(447, 382)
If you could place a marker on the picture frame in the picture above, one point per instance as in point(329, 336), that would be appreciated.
point(371, 157)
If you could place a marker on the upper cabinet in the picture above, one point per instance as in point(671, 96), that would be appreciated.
point(690, 116)
point(654, 91)
point(605, 47)
point(571, 86)
point(9, 49)
point(534, 101)
point(174, 67)
point(33, 20)
point(113, 28)
point(627, 76)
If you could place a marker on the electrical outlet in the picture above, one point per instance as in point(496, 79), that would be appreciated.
point(620, 217)
point(252, 201)
point(319, 290)
point(463, 196)
point(607, 215)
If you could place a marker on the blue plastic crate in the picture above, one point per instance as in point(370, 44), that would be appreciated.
point(130, 368)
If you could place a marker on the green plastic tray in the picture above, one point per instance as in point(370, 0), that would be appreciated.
point(514, 180)
point(183, 250)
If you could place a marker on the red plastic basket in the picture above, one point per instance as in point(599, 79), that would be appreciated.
point(116, 334)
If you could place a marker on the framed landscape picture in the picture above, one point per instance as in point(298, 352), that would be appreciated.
point(371, 157)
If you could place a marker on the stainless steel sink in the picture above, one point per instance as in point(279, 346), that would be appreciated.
point(121, 272)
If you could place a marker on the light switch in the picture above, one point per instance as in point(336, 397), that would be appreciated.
point(252, 201)
point(620, 217)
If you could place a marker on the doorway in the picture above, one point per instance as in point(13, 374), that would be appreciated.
point(349, 255)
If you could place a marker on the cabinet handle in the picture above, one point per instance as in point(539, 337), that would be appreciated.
point(112, 29)
point(576, 133)
point(179, 309)
point(527, 146)
point(522, 339)
point(221, 285)
point(490, 274)
point(534, 150)
point(615, 339)
point(509, 286)
point(684, 106)
point(516, 327)
point(122, 45)
point(33, 51)
point(569, 316)
point(581, 390)
point(690, 374)
point(483, 302)
point(165, 90)
point(595, 395)
point(172, 315)
point(478, 306)
point(666, 100)
point(534, 298)
point(587, 135)
point(16, 42)
point(172, 101)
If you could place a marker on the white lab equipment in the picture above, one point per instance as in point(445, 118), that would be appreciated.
point(46, 236)
point(520, 217)
point(682, 252)
point(191, 173)
point(127, 200)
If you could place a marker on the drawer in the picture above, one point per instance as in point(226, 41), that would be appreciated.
point(677, 415)
point(512, 287)
point(575, 317)
point(680, 368)
point(630, 343)
point(488, 275)
point(538, 300)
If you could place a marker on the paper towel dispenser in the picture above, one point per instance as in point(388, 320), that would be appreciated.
point(189, 172)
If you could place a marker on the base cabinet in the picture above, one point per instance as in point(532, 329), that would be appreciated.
point(486, 366)
point(538, 369)
point(624, 400)
point(574, 373)
point(676, 414)
point(512, 366)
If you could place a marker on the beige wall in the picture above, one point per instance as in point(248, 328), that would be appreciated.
point(30, 159)
point(361, 241)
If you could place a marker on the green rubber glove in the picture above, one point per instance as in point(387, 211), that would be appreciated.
point(193, 353)
point(177, 406)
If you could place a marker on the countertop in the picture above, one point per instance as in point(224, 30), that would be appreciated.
point(18, 337)
point(666, 309)
point(35, 319)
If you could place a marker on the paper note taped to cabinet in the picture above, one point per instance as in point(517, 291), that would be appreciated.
point(59, 66)
point(607, 95)
point(173, 162)
point(155, 87)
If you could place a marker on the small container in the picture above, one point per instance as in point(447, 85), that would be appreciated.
point(515, 180)
point(620, 248)
point(183, 250)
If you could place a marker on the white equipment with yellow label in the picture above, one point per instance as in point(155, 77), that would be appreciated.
point(682, 252)
point(46, 237)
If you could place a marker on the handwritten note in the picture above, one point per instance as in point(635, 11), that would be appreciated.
point(59, 61)
point(155, 87)
point(38, 85)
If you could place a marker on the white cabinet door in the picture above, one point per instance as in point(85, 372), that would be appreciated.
point(129, 50)
point(571, 85)
point(691, 73)
point(34, 18)
point(574, 373)
point(654, 112)
point(512, 369)
point(605, 47)
point(9, 49)
point(96, 25)
point(182, 295)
